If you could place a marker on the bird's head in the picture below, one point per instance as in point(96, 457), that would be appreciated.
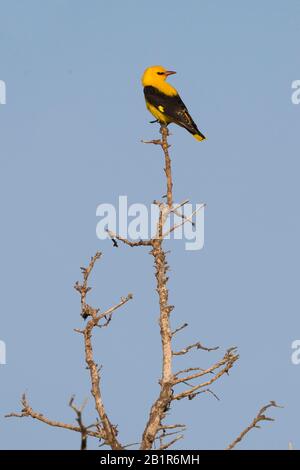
point(155, 74)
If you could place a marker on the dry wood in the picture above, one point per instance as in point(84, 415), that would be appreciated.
point(155, 430)
point(254, 424)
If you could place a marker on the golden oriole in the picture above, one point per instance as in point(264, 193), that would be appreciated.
point(164, 102)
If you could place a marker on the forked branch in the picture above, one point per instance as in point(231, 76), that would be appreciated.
point(254, 424)
point(27, 411)
point(103, 428)
point(110, 430)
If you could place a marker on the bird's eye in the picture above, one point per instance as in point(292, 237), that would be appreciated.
point(160, 73)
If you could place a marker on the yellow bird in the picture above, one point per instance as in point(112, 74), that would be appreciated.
point(164, 102)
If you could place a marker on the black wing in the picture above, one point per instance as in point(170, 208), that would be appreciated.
point(172, 106)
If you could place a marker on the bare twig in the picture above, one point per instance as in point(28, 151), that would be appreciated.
point(190, 369)
point(115, 236)
point(206, 390)
point(192, 346)
point(259, 417)
point(175, 208)
point(180, 214)
point(130, 445)
point(172, 426)
point(104, 429)
point(153, 141)
point(169, 444)
point(108, 313)
point(83, 428)
point(163, 434)
point(179, 329)
point(86, 310)
point(185, 219)
point(224, 365)
point(27, 411)
point(163, 142)
point(109, 429)
point(165, 146)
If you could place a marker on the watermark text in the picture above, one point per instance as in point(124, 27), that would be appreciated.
point(295, 357)
point(296, 94)
point(2, 92)
point(139, 222)
point(2, 352)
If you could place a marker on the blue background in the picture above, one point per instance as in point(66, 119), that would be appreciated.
point(70, 140)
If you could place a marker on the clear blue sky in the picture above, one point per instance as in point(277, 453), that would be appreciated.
point(70, 139)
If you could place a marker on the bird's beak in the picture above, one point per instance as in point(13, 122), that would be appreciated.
point(169, 72)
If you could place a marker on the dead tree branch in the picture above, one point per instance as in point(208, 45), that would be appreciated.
point(185, 219)
point(115, 237)
point(169, 444)
point(163, 142)
point(86, 310)
point(110, 430)
point(179, 329)
point(27, 411)
point(221, 367)
point(192, 346)
point(254, 424)
point(162, 403)
point(105, 430)
point(154, 429)
point(168, 380)
point(83, 428)
point(165, 146)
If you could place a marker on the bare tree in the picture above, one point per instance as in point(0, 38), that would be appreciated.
point(195, 380)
